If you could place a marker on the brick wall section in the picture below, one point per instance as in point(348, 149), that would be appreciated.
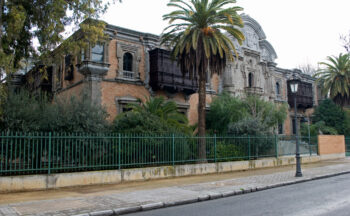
point(111, 90)
point(75, 91)
point(288, 125)
point(113, 60)
point(76, 75)
point(331, 144)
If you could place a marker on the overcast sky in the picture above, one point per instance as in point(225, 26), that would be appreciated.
point(301, 31)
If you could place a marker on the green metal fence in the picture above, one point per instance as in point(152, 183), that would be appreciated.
point(31, 153)
point(347, 146)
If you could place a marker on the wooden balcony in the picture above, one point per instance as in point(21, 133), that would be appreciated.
point(36, 81)
point(304, 96)
point(166, 75)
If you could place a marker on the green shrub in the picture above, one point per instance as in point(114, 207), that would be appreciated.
point(316, 129)
point(224, 110)
point(228, 151)
point(155, 116)
point(27, 113)
point(331, 115)
point(251, 115)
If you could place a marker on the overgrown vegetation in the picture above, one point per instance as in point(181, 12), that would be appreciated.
point(26, 113)
point(328, 118)
point(249, 116)
point(155, 115)
point(30, 30)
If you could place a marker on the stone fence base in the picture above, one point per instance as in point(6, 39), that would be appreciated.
point(55, 181)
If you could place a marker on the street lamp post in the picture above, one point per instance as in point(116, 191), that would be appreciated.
point(294, 88)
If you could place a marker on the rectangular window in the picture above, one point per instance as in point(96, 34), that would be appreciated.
point(82, 55)
point(97, 53)
point(280, 128)
point(126, 108)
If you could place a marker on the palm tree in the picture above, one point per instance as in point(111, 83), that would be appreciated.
point(334, 78)
point(199, 34)
point(165, 110)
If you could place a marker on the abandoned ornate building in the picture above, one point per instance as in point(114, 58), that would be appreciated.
point(132, 65)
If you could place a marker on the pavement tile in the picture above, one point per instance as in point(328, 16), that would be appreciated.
point(126, 202)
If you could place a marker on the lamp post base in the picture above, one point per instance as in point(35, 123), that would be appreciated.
point(298, 170)
point(298, 174)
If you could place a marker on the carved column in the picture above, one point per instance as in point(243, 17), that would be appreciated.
point(93, 73)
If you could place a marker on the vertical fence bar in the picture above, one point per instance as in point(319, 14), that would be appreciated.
point(215, 148)
point(119, 153)
point(49, 162)
point(249, 148)
point(173, 150)
point(276, 145)
point(3, 156)
point(310, 151)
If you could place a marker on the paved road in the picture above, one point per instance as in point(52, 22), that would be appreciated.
point(330, 196)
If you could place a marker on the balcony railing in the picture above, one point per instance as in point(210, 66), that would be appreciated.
point(304, 96)
point(165, 74)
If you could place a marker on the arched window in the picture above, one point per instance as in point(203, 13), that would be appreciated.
point(278, 91)
point(127, 62)
point(250, 80)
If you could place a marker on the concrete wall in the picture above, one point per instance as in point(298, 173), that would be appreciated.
point(54, 181)
point(330, 144)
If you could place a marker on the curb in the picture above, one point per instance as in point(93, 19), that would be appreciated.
point(211, 196)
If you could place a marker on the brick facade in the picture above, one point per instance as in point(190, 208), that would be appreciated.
point(253, 72)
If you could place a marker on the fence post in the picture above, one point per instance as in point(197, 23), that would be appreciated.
point(215, 148)
point(276, 145)
point(49, 164)
point(249, 147)
point(119, 149)
point(310, 151)
point(173, 147)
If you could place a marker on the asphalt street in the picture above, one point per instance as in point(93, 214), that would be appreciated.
point(330, 196)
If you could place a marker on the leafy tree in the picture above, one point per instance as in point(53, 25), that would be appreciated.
point(196, 35)
point(316, 129)
point(251, 115)
point(331, 114)
point(34, 28)
point(266, 112)
point(223, 110)
point(335, 78)
point(155, 115)
point(75, 114)
point(22, 112)
point(248, 126)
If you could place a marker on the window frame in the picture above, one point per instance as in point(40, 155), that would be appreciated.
point(102, 53)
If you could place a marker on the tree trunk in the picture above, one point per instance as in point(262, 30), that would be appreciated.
point(201, 119)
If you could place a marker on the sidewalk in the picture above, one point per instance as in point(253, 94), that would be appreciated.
point(137, 196)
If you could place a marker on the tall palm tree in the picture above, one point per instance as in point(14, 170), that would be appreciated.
point(335, 78)
point(199, 34)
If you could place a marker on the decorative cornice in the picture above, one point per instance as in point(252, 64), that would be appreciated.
point(255, 25)
point(125, 81)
